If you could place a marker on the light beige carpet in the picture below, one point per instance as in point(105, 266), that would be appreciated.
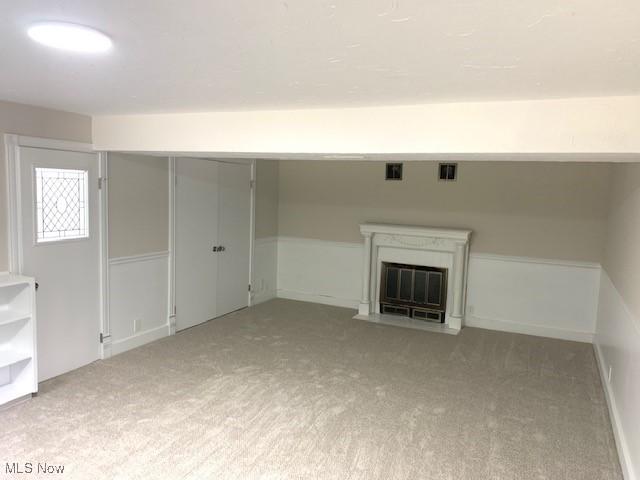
point(291, 390)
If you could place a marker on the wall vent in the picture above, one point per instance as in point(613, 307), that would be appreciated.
point(394, 171)
point(448, 171)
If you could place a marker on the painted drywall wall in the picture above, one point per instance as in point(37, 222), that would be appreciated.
point(618, 326)
point(266, 198)
point(622, 247)
point(138, 204)
point(577, 126)
point(530, 209)
point(36, 122)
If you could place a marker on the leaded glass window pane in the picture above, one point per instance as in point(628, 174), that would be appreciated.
point(62, 204)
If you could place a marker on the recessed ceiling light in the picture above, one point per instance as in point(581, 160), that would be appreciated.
point(69, 36)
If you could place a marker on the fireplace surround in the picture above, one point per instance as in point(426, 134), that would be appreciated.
point(426, 249)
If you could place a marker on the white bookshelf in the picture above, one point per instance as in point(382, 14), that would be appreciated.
point(18, 361)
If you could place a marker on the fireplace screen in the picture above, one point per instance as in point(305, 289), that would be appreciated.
point(414, 291)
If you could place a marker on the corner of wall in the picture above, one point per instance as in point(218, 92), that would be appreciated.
point(617, 339)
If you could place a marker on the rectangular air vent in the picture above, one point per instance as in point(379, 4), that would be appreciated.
point(394, 171)
point(448, 171)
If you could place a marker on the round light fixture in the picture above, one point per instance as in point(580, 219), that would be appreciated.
point(69, 36)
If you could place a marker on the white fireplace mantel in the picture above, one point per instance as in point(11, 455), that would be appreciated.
point(431, 247)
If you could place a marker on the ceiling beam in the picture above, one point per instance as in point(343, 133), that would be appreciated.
point(578, 128)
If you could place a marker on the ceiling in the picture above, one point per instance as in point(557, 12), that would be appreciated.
point(207, 55)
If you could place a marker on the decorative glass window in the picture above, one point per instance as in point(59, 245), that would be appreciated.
point(62, 204)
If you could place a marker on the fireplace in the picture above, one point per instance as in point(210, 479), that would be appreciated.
point(414, 276)
point(413, 291)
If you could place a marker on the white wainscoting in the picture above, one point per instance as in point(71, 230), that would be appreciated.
point(617, 345)
point(138, 300)
point(265, 270)
point(549, 298)
point(516, 294)
point(320, 271)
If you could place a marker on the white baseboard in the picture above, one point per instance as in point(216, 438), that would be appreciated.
point(139, 339)
point(528, 329)
point(315, 298)
point(616, 423)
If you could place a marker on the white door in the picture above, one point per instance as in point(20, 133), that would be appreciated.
point(61, 249)
point(196, 235)
point(212, 239)
point(233, 233)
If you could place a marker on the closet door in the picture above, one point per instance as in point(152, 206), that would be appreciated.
point(196, 235)
point(234, 232)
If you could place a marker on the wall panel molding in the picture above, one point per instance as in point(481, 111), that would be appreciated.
point(617, 349)
point(264, 275)
point(542, 297)
point(138, 258)
point(138, 299)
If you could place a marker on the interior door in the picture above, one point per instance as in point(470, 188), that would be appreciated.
point(234, 232)
point(61, 249)
point(196, 235)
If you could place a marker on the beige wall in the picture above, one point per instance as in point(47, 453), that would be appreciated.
point(138, 204)
point(544, 210)
point(622, 248)
point(35, 122)
point(266, 198)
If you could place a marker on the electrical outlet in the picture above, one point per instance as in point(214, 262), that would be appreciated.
point(610, 373)
point(136, 325)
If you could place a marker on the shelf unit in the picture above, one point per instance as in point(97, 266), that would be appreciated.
point(18, 360)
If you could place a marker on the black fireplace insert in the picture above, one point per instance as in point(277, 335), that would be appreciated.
point(414, 291)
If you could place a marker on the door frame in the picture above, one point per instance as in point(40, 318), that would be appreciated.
point(12, 145)
point(173, 180)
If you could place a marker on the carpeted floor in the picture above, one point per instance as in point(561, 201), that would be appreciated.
point(291, 390)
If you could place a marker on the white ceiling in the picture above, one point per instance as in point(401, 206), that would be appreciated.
point(204, 55)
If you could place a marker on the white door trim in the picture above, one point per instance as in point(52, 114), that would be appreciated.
point(252, 229)
point(12, 144)
point(12, 154)
point(103, 195)
point(171, 318)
